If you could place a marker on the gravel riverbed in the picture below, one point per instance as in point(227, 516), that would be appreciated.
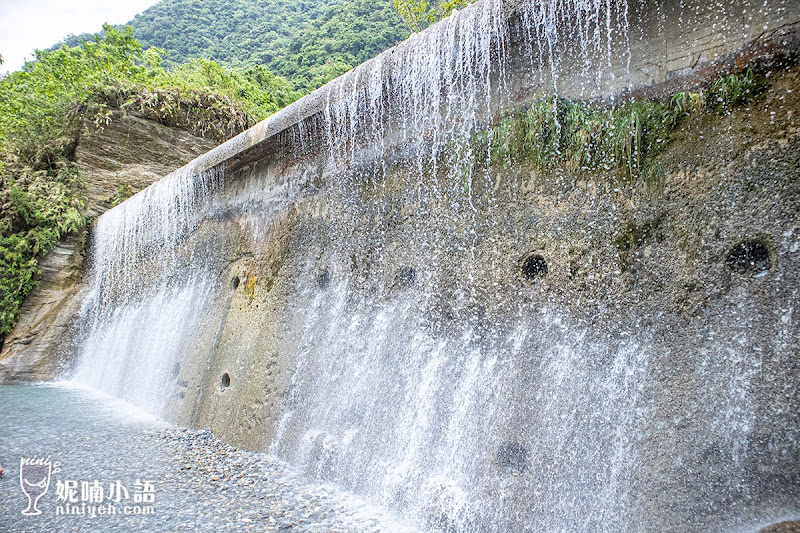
point(196, 482)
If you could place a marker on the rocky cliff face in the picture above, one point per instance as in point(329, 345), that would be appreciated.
point(126, 155)
point(131, 151)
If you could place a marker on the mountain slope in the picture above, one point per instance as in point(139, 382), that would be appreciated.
point(306, 41)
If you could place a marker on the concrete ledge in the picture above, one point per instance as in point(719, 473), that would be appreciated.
point(670, 45)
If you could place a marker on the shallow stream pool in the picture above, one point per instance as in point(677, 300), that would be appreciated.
point(114, 468)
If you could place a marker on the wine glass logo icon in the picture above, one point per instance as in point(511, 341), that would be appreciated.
point(34, 478)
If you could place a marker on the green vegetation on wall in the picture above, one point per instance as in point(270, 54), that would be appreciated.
point(559, 133)
point(44, 106)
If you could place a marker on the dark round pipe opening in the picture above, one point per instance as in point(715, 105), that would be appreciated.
point(749, 257)
point(235, 282)
point(533, 267)
point(225, 382)
point(406, 276)
point(513, 456)
point(323, 279)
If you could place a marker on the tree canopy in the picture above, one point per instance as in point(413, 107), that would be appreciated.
point(306, 41)
point(43, 106)
point(419, 14)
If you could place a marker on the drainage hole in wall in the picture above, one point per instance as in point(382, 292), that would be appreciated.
point(749, 257)
point(406, 276)
point(533, 266)
point(512, 456)
point(323, 279)
point(225, 382)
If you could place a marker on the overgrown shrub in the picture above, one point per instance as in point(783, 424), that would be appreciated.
point(43, 107)
point(575, 135)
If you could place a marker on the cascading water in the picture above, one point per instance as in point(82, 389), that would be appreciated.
point(417, 381)
point(136, 321)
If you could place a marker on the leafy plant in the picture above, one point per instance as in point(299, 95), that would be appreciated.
point(685, 103)
point(43, 107)
point(733, 90)
point(123, 193)
point(297, 40)
point(419, 14)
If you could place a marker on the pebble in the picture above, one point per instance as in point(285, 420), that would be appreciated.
point(203, 485)
point(258, 489)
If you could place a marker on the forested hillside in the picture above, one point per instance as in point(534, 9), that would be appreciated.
point(306, 41)
point(212, 67)
point(44, 107)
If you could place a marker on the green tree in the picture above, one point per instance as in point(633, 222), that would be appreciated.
point(43, 106)
point(419, 14)
point(298, 40)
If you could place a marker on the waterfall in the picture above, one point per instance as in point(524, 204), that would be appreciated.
point(413, 377)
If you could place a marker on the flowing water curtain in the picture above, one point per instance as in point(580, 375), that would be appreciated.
point(135, 244)
point(436, 89)
point(145, 297)
point(593, 32)
point(391, 408)
point(433, 86)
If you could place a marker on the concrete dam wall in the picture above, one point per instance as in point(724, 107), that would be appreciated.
point(374, 286)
